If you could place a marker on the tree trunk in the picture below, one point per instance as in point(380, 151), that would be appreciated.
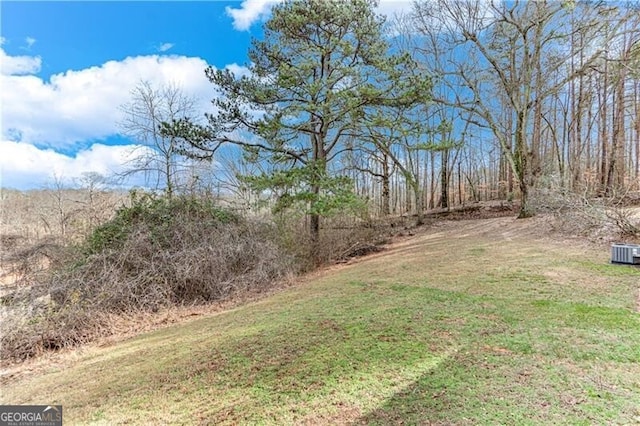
point(617, 148)
point(314, 233)
point(460, 196)
point(525, 209)
point(616, 171)
point(419, 205)
point(386, 198)
point(522, 167)
point(432, 190)
point(604, 184)
point(444, 180)
point(314, 216)
point(637, 127)
point(319, 171)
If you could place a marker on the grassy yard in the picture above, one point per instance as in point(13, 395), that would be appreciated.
point(474, 322)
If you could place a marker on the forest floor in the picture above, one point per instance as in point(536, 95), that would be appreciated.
point(481, 321)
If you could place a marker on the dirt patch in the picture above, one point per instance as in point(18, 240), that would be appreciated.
point(500, 228)
point(345, 415)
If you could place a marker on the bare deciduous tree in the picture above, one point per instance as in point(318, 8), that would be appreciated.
point(512, 50)
point(159, 156)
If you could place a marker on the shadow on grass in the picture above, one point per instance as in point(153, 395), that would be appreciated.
point(432, 399)
point(371, 353)
point(565, 364)
point(296, 360)
point(479, 390)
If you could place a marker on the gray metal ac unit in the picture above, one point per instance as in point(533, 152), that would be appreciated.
point(625, 253)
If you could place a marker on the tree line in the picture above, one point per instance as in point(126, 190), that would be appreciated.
point(453, 102)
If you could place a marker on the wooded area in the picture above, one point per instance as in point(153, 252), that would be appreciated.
point(455, 102)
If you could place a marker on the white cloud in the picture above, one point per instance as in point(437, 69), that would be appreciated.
point(80, 108)
point(2, 40)
point(30, 42)
point(25, 166)
point(391, 8)
point(251, 11)
point(165, 46)
point(18, 65)
point(238, 70)
point(83, 105)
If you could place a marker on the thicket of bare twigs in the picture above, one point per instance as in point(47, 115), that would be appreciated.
point(27, 217)
point(342, 237)
point(156, 253)
point(607, 218)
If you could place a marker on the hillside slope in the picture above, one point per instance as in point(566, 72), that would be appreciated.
point(470, 322)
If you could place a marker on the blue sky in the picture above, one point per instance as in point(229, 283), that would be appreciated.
point(66, 67)
point(77, 35)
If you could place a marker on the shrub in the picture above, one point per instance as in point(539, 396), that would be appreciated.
point(341, 237)
point(159, 215)
point(156, 253)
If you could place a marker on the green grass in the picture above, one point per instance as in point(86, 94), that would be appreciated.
point(468, 329)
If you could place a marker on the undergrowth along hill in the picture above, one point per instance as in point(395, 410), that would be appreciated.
point(160, 252)
point(157, 252)
point(473, 322)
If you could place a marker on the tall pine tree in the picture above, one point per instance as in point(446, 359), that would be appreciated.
point(319, 67)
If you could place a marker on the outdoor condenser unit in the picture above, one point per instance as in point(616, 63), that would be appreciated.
point(625, 253)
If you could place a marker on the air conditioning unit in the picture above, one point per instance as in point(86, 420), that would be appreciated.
point(625, 253)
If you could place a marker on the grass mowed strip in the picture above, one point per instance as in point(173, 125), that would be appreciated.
point(476, 322)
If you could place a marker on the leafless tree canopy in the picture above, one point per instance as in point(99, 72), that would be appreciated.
point(159, 157)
